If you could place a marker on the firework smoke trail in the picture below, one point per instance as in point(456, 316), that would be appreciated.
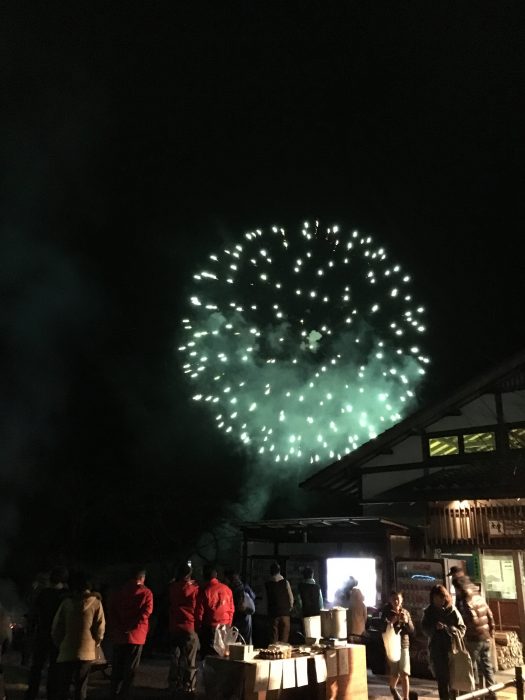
point(303, 346)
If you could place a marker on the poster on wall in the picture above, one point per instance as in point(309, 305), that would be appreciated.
point(414, 579)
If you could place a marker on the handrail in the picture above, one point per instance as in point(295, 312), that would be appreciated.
point(516, 682)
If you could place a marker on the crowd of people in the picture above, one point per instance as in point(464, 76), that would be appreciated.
point(445, 624)
point(70, 621)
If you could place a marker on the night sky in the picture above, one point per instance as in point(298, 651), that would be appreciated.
point(135, 138)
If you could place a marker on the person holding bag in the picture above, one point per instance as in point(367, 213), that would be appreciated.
point(479, 622)
point(443, 625)
point(244, 603)
point(398, 627)
point(214, 610)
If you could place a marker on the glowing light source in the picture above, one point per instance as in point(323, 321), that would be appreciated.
point(345, 369)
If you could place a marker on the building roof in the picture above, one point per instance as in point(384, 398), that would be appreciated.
point(323, 528)
point(472, 481)
point(343, 475)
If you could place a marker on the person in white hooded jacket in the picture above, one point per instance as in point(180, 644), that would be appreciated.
point(78, 629)
point(357, 615)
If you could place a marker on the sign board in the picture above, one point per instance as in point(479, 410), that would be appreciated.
point(505, 528)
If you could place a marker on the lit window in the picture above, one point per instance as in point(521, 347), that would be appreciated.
point(479, 442)
point(442, 446)
point(517, 438)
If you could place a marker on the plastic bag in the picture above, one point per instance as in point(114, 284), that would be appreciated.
point(392, 642)
point(224, 636)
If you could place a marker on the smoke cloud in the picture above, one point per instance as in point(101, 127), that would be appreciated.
point(301, 349)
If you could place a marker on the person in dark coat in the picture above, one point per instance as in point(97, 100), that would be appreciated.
point(441, 621)
point(130, 610)
point(479, 622)
point(244, 603)
point(5, 640)
point(311, 598)
point(280, 603)
point(45, 605)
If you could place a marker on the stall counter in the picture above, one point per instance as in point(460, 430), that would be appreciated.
point(335, 674)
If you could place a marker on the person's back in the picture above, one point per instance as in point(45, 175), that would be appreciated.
point(310, 594)
point(357, 613)
point(184, 643)
point(214, 607)
point(46, 605)
point(77, 630)
point(130, 610)
point(479, 623)
point(280, 602)
point(477, 616)
point(183, 600)
point(131, 607)
point(5, 628)
point(216, 603)
point(244, 603)
point(79, 627)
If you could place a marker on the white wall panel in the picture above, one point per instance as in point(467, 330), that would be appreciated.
point(513, 406)
point(407, 451)
point(374, 484)
point(481, 411)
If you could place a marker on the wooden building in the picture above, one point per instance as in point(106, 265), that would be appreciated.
point(456, 470)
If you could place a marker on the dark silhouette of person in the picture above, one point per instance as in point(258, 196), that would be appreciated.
point(280, 603)
point(310, 594)
point(46, 604)
point(244, 602)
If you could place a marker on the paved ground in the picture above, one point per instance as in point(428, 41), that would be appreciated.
point(151, 683)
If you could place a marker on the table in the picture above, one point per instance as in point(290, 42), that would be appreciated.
point(336, 674)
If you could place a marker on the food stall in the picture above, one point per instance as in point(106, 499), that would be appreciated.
point(316, 673)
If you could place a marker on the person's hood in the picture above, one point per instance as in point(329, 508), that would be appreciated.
point(357, 594)
point(85, 600)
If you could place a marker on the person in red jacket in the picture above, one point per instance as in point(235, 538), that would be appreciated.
point(183, 593)
point(130, 610)
point(214, 607)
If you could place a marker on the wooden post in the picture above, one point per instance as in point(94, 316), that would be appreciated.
point(520, 593)
point(519, 682)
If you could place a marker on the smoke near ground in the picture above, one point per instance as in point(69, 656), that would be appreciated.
point(302, 346)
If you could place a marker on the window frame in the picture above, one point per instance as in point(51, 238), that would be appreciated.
point(501, 440)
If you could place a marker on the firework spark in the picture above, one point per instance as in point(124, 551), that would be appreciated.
point(303, 346)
